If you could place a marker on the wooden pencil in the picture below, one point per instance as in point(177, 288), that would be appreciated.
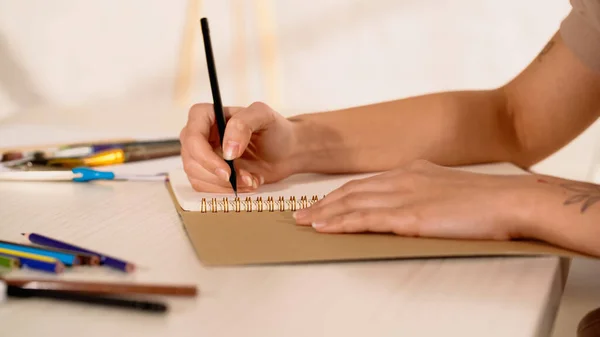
point(77, 258)
point(55, 267)
point(18, 253)
point(104, 288)
point(14, 291)
point(69, 259)
point(8, 262)
point(216, 94)
point(104, 259)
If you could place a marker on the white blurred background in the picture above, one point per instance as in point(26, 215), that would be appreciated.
point(137, 65)
point(142, 60)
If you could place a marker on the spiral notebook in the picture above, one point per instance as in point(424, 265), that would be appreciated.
point(258, 228)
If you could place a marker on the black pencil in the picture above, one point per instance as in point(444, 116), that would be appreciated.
point(14, 291)
point(216, 93)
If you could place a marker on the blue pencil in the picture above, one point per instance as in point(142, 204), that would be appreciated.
point(80, 258)
point(104, 259)
point(52, 267)
point(68, 259)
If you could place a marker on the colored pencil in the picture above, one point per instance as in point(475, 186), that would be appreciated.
point(8, 262)
point(55, 267)
point(67, 257)
point(104, 288)
point(14, 291)
point(17, 253)
point(104, 259)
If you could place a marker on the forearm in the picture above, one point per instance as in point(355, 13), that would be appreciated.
point(450, 128)
point(566, 213)
point(542, 109)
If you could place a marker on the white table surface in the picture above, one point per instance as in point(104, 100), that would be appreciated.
point(137, 220)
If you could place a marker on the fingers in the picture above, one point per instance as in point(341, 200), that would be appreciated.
point(199, 134)
point(195, 137)
point(204, 181)
point(399, 221)
point(248, 180)
point(196, 149)
point(201, 179)
point(208, 185)
point(371, 184)
point(354, 202)
point(383, 203)
point(242, 125)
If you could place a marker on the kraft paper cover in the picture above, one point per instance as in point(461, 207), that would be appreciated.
point(224, 238)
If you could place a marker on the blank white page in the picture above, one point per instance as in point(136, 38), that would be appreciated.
point(298, 186)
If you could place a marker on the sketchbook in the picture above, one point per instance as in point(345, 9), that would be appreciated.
point(258, 227)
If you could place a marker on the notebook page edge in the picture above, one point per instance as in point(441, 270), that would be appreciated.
point(190, 200)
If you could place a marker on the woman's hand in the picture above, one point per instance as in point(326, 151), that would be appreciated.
point(426, 200)
point(261, 140)
point(423, 199)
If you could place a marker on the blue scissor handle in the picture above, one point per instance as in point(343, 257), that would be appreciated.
point(89, 174)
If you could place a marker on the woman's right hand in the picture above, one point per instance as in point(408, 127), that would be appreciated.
point(261, 141)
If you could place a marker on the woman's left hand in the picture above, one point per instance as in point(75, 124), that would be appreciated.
point(423, 199)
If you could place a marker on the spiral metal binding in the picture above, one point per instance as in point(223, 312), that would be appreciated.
point(258, 204)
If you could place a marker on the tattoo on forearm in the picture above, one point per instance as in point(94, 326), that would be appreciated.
point(546, 49)
point(586, 194)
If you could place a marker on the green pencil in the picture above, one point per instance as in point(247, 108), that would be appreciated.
point(8, 262)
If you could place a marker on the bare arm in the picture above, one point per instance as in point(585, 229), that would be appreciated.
point(547, 105)
point(551, 102)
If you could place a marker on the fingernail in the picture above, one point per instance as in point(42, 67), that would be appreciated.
point(261, 180)
point(222, 174)
point(318, 224)
point(300, 214)
point(254, 183)
point(231, 149)
point(247, 180)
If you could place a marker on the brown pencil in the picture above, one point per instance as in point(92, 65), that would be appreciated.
point(104, 287)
